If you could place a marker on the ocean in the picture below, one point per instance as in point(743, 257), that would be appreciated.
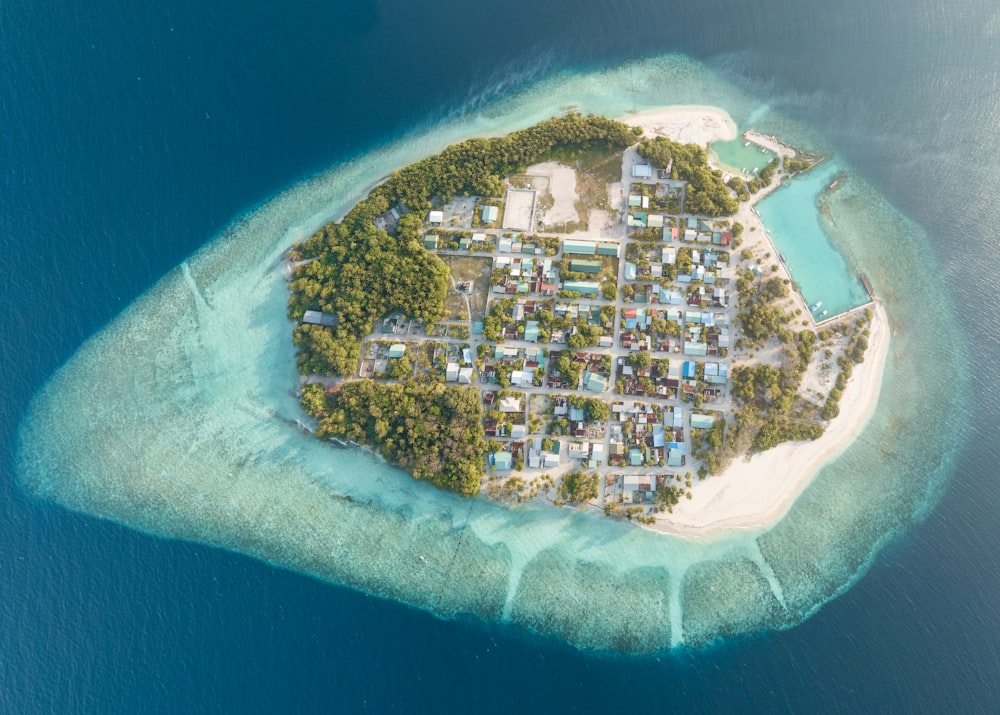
point(132, 137)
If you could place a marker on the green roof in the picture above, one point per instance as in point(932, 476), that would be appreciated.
point(587, 287)
point(607, 249)
point(582, 247)
point(502, 460)
point(584, 266)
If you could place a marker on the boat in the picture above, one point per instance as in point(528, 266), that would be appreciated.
point(823, 314)
point(782, 257)
point(815, 306)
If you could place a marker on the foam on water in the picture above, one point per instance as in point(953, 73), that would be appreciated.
point(180, 419)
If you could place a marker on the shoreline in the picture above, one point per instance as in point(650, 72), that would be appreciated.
point(756, 493)
point(686, 123)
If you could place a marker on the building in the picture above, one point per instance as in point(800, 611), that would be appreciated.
point(595, 383)
point(503, 460)
point(582, 287)
point(579, 265)
point(490, 214)
point(435, 217)
point(642, 171)
point(315, 317)
point(606, 248)
point(397, 350)
point(583, 248)
point(701, 421)
point(451, 372)
point(510, 404)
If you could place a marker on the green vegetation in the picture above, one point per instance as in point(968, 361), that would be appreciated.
point(705, 194)
point(759, 318)
point(576, 487)
point(361, 273)
point(432, 431)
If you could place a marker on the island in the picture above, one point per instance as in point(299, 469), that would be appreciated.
point(587, 312)
point(183, 417)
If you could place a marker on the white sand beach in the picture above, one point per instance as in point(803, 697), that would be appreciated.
point(688, 124)
point(755, 493)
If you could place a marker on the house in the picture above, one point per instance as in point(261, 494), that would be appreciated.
point(518, 432)
point(435, 217)
point(510, 404)
point(397, 350)
point(490, 214)
point(315, 317)
point(630, 271)
point(502, 460)
point(451, 372)
point(635, 457)
point(642, 171)
point(701, 421)
point(550, 461)
point(431, 241)
point(595, 383)
point(465, 376)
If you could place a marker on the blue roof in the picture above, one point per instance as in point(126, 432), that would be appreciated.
point(689, 369)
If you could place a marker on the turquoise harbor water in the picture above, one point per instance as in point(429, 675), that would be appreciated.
point(179, 419)
point(798, 230)
point(739, 156)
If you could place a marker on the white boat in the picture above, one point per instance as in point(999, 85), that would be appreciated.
point(823, 314)
point(815, 306)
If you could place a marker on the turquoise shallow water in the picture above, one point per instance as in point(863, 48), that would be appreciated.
point(738, 156)
point(792, 218)
point(180, 419)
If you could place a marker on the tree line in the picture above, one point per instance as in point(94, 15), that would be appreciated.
point(432, 431)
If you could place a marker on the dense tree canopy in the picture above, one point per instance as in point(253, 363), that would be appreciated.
point(361, 273)
point(432, 431)
point(705, 194)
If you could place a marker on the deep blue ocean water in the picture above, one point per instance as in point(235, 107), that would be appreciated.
point(131, 135)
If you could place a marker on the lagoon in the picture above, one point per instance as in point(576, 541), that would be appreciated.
point(792, 217)
point(738, 155)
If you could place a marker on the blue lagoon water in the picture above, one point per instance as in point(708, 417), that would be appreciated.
point(132, 136)
point(792, 218)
